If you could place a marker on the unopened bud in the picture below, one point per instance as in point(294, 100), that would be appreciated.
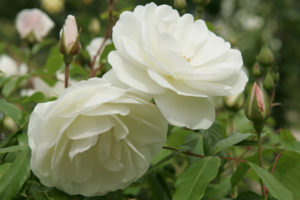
point(94, 26)
point(265, 56)
point(257, 70)
point(257, 107)
point(235, 102)
point(269, 81)
point(69, 37)
point(180, 4)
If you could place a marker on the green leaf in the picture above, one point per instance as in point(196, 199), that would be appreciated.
point(248, 196)
point(239, 173)
point(191, 184)
point(219, 190)
point(275, 188)
point(78, 72)
point(211, 136)
point(54, 61)
point(107, 49)
point(15, 177)
point(10, 110)
point(11, 149)
point(9, 86)
point(229, 141)
point(287, 171)
point(3, 168)
point(37, 97)
point(286, 136)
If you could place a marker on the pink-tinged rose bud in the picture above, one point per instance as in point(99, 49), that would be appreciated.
point(33, 24)
point(257, 107)
point(69, 37)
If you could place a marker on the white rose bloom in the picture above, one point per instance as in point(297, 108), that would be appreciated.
point(95, 138)
point(93, 47)
point(10, 68)
point(178, 61)
point(33, 21)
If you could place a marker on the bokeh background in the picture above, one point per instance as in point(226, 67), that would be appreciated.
point(247, 24)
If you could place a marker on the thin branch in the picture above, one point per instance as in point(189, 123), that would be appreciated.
point(272, 171)
point(110, 23)
point(201, 156)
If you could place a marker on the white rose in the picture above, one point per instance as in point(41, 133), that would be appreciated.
point(178, 61)
point(10, 68)
point(93, 47)
point(33, 21)
point(95, 138)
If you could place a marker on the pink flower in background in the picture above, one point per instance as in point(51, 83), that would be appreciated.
point(33, 21)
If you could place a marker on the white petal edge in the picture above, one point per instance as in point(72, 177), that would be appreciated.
point(191, 112)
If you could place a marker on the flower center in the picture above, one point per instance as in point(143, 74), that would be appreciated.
point(187, 59)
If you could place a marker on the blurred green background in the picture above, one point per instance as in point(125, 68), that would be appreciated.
point(247, 24)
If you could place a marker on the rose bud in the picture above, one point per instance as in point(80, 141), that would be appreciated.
point(69, 38)
point(257, 70)
point(33, 24)
point(257, 107)
point(265, 56)
point(269, 81)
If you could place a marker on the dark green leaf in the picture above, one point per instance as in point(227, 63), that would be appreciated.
point(210, 137)
point(229, 141)
point(10, 110)
point(275, 188)
point(14, 178)
point(287, 171)
point(191, 184)
point(218, 190)
point(248, 196)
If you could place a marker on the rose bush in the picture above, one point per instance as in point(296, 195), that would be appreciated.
point(95, 138)
point(35, 22)
point(178, 61)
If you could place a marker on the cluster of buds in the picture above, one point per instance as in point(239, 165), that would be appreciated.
point(257, 106)
point(69, 44)
point(263, 69)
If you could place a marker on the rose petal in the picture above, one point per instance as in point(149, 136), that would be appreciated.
point(191, 112)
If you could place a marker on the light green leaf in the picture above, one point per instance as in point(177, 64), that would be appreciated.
point(10, 110)
point(229, 141)
point(3, 168)
point(15, 177)
point(11, 149)
point(9, 86)
point(54, 61)
point(191, 184)
point(287, 171)
point(275, 188)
